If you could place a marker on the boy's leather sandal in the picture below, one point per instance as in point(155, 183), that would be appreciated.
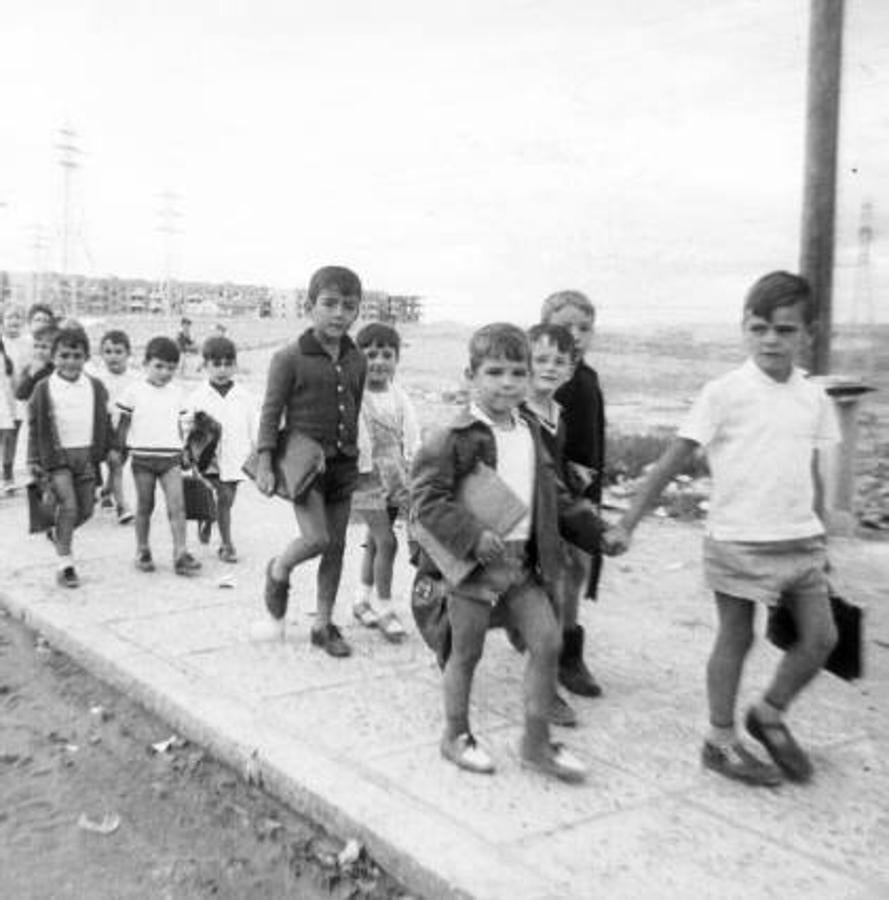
point(466, 753)
point(391, 628)
point(782, 747)
point(365, 614)
point(739, 764)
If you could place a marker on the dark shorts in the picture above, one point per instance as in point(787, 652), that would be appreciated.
point(338, 480)
point(156, 465)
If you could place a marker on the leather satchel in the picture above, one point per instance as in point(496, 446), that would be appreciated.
point(297, 462)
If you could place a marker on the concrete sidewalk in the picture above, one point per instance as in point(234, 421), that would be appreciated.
point(354, 743)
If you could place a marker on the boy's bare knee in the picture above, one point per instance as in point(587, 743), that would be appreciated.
point(820, 644)
point(318, 544)
point(546, 644)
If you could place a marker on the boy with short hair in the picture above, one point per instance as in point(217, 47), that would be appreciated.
point(69, 434)
point(761, 425)
point(150, 427)
point(235, 409)
point(515, 572)
point(552, 364)
point(317, 383)
point(116, 375)
point(388, 437)
point(40, 365)
point(41, 315)
point(583, 412)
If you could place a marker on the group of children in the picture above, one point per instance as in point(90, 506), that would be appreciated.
point(536, 419)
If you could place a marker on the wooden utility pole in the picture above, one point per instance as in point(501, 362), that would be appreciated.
point(819, 189)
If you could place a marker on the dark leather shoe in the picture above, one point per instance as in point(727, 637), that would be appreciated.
point(331, 641)
point(276, 593)
point(68, 578)
point(739, 764)
point(790, 758)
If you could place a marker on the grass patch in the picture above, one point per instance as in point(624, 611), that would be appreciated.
point(627, 456)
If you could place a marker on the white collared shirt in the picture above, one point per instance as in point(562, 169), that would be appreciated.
point(515, 464)
point(72, 408)
point(759, 435)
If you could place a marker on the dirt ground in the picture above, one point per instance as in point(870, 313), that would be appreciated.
point(76, 755)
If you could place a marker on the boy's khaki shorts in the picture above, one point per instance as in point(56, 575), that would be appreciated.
point(765, 570)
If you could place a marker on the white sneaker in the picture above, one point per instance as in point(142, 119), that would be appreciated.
point(267, 630)
point(466, 753)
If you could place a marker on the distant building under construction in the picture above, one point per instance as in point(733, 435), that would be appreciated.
point(110, 295)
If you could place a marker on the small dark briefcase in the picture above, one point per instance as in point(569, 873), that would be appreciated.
point(846, 661)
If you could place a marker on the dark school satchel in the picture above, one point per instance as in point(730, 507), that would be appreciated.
point(846, 660)
point(200, 498)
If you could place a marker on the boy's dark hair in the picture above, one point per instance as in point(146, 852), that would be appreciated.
point(36, 308)
point(185, 321)
point(779, 289)
point(561, 299)
point(219, 347)
point(558, 335)
point(339, 277)
point(45, 333)
point(499, 340)
point(116, 336)
point(71, 337)
point(381, 334)
point(162, 348)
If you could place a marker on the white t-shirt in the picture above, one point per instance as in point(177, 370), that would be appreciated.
point(115, 384)
point(72, 409)
point(156, 413)
point(515, 465)
point(759, 435)
point(238, 415)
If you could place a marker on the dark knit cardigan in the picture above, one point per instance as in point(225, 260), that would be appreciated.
point(44, 447)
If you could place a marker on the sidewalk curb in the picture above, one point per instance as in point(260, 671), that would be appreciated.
point(415, 847)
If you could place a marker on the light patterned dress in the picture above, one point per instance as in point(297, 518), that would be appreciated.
point(388, 436)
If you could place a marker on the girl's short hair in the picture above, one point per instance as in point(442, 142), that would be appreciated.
point(558, 335)
point(499, 340)
point(339, 277)
point(116, 336)
point(381, 334)
point(219, 347)
point(561, 299)
point(162, 348)
point(71, 336)
point(779, 289)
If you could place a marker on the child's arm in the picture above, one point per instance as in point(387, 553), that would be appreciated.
point(670, 464)
point(279, 386)
point(433, 503)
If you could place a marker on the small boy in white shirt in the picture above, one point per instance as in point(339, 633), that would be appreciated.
point(69, 434)
point(117, 376)
point(150, 428)
point(761, 426)
point(237, 412)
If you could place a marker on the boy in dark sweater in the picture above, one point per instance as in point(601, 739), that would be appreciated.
point(317, 383)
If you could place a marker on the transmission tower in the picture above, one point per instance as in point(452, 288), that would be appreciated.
point(39, 246)
point(169, 218)
point(69, 154)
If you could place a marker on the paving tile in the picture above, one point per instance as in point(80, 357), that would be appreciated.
point(513, 802)
point(367, 718)
point(843, 816)
point(174, 634)
point(668, 849)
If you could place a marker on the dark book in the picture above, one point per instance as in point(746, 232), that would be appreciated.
point(846, 660)
point(297, 461)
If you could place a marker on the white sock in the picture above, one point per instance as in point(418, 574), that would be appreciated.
point(65, 561)
point(722, 736)
point(364, 594)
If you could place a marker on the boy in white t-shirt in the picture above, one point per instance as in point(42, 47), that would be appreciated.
point(150, 428)
point(237, 412)
point(761, 426)
point(116, 375)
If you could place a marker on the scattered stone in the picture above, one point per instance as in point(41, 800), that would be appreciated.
point(350, 854)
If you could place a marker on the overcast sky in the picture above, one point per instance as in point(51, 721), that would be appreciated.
point(481, 153)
